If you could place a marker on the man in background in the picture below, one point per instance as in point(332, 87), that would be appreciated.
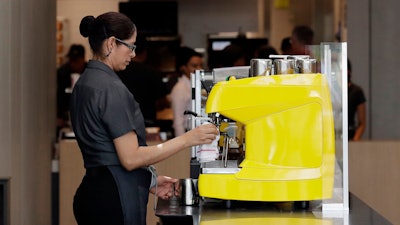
point(286, 46)
point(144, 82)
point(75, 64)
point(301, 37)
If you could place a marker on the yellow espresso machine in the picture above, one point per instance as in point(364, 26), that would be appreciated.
point(288, 143)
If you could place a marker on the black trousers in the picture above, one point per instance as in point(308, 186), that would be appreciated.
point(97, 200)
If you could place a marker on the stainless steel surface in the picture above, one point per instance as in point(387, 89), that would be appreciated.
point(284, 66)
point(174, 215)
point(225, 151)
point(306, 65)
point(260, 67)
point(219, 167)
point(220, 74)
point(188, 192)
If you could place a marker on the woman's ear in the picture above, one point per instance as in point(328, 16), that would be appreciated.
point(109, 45)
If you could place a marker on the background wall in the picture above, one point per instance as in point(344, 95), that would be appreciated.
point(366, 25)
point(199, 18)
point(27, 113)
point(384, 65)
point(196, 18)
point(373, 47)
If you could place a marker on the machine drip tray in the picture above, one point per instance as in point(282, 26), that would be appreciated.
point(218, 167)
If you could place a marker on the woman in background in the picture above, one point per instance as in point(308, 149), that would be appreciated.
point(110, 131)
point(357, 118)
point(187, 62)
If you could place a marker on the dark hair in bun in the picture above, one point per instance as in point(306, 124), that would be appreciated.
point(86, 24)
point(104, 26)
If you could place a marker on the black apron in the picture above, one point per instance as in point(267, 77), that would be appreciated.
point(133, 187)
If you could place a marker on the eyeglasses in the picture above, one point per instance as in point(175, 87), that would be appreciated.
point(131, 47)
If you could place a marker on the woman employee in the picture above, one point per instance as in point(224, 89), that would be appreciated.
point(110, 131)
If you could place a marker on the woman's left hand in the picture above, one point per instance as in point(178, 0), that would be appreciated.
point(165, 187)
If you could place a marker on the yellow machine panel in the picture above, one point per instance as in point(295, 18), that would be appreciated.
point(289, 138)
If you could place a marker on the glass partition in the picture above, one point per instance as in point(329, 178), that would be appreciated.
point(332, 61)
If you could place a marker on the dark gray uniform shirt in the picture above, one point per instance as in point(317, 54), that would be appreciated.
point(102, 109)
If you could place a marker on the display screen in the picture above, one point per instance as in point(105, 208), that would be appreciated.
point(152, 18)
point(219, 45)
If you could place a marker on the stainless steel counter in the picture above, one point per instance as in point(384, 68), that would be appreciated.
point(217, 212)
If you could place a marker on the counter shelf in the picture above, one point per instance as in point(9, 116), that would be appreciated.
point(217, 166)
point(211, 211)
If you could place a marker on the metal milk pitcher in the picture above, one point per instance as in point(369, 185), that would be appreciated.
point(284, 66)
point(260, 67)
point(188, 192)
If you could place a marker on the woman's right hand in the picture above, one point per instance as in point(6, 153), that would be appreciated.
point(133, 156)
point(203, 134)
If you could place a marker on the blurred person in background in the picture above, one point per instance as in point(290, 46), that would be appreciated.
point(264, 52)
point(76, 63)
point(286, 46)
point(187, 62)
point(145, 83)
point(356, 108)
point(233, 55)
point(300, 38)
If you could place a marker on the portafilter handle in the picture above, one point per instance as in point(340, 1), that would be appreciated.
point(213, 120)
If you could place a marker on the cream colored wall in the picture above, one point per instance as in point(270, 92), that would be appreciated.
point(374, 176)
point(374, 50)
point(27, 113)
point(74, 10)
point(281, 25)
